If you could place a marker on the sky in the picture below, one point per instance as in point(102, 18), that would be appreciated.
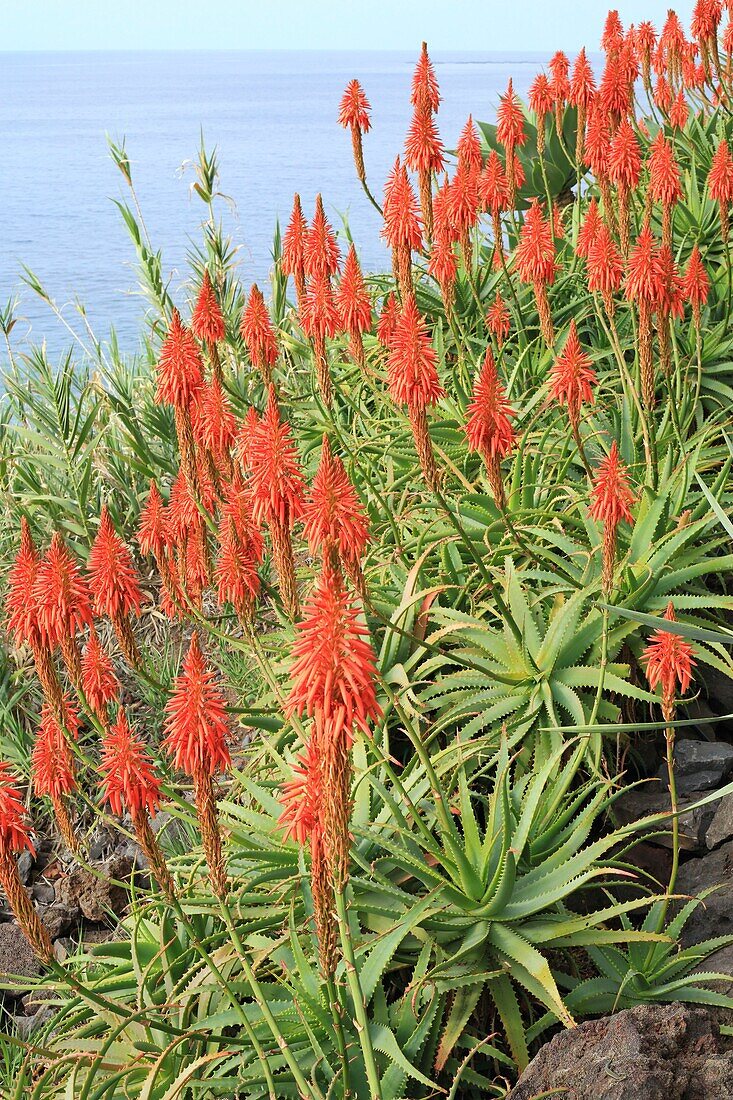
point(522, 25)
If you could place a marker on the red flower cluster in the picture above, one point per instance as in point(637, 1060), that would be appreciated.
point(128, 777)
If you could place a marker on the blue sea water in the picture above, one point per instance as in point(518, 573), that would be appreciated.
point(272, 118)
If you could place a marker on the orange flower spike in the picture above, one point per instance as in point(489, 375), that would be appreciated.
point(642, 278)
point(354, 116)
point(334, 670)
point(258, 334)
point(720, 183)
point(412, 374)
point(278, 493)
point(535, 263)
point(241, 550)
point(582, 96)
point(354, 306)
point(671, 298)
point(114, 583)
point(235, 572)
point(612, 38)
point(129, 781)
point(696, 285)
point(22, 614)
point(646, 41)
point(60, 595)
point(112, 575)
point(605, 267)
point(498, 319)
point(706, 18)
point(321, 319)
point(664, 181)
point(207, 319)
point(215, 427)
point(387, 320)
point(535, 254)
point(573, 378)
point(14, 837)
point(541, 101)
point(669, 660)
point(423, 147)
point(180, 370)
point(153, 535)
point(412, 378)
point(321, 253)
point(293, 249)
point(425, 91)
point(511, 134)
point(614, 93)
point(488, 426)
point(663, 94)
point(624, 170)
point(180, 376)
point(468, 148)
point(679, 111)
point(334, 517)
point(493, 193)
point(582, 84)
point(612, 496)
point(588, 230)
point(98, 680)
point(560, 85)
point(424, 155)
point(644, 287)
point(611, 502)
point(302, 796)
point(20, 610)
point(402, 229)
point(52, 763)
point(672, 43)
point(14, 833)
point(52, 772)
point(196, 723)
point(493, 186)
point(196, 729)
point(443, 267)
point(462, 208)
point(62, 604)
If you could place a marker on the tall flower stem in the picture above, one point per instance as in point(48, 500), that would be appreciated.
point(357, 997)
point(306, 1090)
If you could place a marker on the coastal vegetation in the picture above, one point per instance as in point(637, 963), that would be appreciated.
point(347, 613)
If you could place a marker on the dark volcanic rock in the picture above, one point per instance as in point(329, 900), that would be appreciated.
point(714, 916)
point(16, 956)
point(653, 798)
point(700, 765)
point(650, 1052)
point(721, 827)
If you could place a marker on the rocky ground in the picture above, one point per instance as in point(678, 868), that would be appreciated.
point(79, 904)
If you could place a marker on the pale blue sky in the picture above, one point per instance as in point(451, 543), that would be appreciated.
point(317, 24)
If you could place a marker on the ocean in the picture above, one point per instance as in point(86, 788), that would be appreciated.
point(271, 117)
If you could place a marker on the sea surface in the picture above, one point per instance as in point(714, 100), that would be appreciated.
point(271, 117)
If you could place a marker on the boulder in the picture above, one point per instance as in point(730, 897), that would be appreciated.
point(714, 916)
point(654, 1052)
point(653, 798)
point(721, 827)
point(93, 892)
point(16, 955)
point(700, 765)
